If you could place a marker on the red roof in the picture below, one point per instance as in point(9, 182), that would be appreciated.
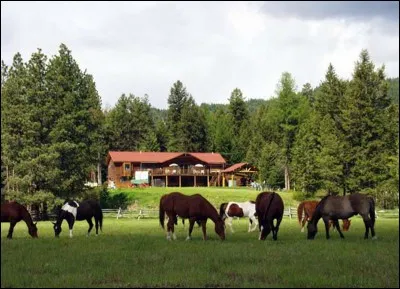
point(161, 157)
point(234, 167)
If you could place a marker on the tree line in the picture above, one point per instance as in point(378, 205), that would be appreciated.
point(339, 137)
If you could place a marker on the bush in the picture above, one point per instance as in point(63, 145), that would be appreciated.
point(301, 196)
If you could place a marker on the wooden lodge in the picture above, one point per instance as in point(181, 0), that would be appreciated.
point(169, 169)
point(240, 174)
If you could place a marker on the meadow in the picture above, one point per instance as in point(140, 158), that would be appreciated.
point(135, 253)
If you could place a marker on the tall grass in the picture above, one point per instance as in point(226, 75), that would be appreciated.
point(135, 253)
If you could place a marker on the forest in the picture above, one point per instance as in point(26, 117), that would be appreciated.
point(338, 138)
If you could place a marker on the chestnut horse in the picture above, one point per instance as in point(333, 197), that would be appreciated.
point(269, 206)
point(13, 212)
point(308, 208)
point(343, 207)
point(194, 207)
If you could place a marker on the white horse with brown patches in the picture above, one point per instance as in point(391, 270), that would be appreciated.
point(236, 209)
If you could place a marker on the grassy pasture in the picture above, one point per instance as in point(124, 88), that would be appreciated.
point(135, 253)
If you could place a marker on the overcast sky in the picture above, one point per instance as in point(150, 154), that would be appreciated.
point(212, 47)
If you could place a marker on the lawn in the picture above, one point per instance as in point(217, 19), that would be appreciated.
point(135, 253)
point(150, 197)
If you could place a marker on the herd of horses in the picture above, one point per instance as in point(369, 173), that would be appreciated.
point(266, 212)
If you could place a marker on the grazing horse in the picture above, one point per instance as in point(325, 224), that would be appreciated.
point(73, 211)
point(345, 226)
point(194, 207)
point(269, 206)
point(236, 209)
point(13, 212)
point(343, 207)
point(308, 208)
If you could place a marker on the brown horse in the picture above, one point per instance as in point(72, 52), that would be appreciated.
point(194, 207)
point(269, 206)
point(343, 207)
point(13, 212)
point(308, 208)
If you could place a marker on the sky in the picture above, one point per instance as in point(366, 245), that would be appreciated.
point(212, 47)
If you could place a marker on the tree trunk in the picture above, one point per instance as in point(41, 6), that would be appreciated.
point(99, 181)
point(287, 178)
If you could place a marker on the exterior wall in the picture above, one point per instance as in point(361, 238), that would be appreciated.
point(186, 170)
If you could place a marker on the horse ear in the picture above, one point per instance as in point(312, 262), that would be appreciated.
point(35, 223)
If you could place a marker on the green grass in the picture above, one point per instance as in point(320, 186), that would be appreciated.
point(135, 253)
point(150, 197)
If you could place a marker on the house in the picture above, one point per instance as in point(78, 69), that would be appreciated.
point(169, 169)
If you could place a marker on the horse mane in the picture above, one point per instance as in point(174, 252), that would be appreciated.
point(222, 209)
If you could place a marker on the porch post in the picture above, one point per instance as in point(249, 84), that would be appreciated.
point(166, 180)
point(194, 180)
point(180, 180)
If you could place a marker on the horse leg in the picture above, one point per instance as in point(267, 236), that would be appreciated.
point(89, 220)
point(326, 221)
point(71, 225)
point(96, 221)
point(170, 227)
point(191, 225)
point(203, 227)
point(303, 222)
point(276, 229)
point(254, 220)
point(336, 224)
point(367, 223)
point(11, 230)
point(230, 224)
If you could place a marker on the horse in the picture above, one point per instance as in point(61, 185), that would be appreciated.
point(343, 207)
point(194, 207)
point(269, 206)
point(308, 207)
point(236, 209)
point(73, 211)
point(345, 226)
point(13, 212)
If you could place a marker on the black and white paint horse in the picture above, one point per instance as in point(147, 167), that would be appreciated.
point(73, 211)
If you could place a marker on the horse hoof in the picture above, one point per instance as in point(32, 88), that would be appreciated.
point(188, 238)
point(374, 238)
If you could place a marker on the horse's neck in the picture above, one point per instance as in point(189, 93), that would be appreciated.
point(316, 216)
point(214, 216)
point(27, 218)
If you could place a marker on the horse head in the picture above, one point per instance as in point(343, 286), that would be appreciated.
point(57, 229)
point(33, 230)
point(312, 230)
point(220, 228)
point(346, 225)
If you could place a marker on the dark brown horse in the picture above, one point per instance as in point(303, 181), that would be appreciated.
point(269, 206)
point(308, 208)
point(13, 212)
point(343, 207)
point(194, 207)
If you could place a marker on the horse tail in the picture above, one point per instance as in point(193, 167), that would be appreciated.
point(101, 220)
point(300, 210)
point(269, 205)
point(222, 209)
point(162, 214)
point(372, 210)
